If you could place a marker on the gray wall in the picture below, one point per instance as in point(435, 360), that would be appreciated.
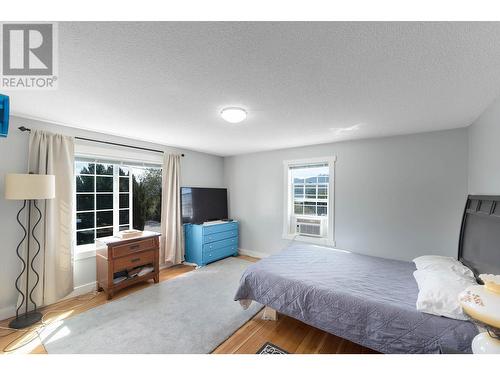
point(396, 197)
point(198, 169)
point(484, 152)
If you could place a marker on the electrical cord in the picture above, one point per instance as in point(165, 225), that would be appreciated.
point(41, 326)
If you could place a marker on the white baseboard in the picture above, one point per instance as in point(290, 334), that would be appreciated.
point(251, 253)
point(82, 289)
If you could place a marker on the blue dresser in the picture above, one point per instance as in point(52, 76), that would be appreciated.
point(206, 243)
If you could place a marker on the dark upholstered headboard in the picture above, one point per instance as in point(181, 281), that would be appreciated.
point(479, 245)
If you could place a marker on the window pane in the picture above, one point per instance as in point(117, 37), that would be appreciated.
point(309, 210)
point(124, 200)
point(85, 237)
point(106, 169)
point(124, 227)
point(124, 171)
point(84, 184)
point(104, 184)
point(298, 192)
point(322, 193)
point(104, 218)
point(298, 208)
point(322, 210)
point(85, 220)
point(84, 168)
point(85, 202)
point(146, 195)
point(323, 179)
point(311, 192)
point(124, 217)
point(124, 184)
point(312, 180)
point(104, 232)
point(104, 201)
point(298, 180)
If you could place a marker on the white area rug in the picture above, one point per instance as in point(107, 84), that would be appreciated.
point(192, 313)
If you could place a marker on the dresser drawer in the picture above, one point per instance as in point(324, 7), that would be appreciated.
point(219, 236)
point(219, 244)
point(134, 260)
point(210, 229)
point(213, 255)
point(134, 247)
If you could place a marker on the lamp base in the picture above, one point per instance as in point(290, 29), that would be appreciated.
point(485, 344)
point(25, 320)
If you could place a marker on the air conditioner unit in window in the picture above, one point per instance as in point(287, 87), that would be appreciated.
point(315, 227)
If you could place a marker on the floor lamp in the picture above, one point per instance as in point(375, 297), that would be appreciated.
point(28, 188)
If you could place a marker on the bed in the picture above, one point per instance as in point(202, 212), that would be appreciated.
point(370, 300)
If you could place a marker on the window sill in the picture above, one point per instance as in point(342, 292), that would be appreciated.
point(85, 251)
point(314, 240)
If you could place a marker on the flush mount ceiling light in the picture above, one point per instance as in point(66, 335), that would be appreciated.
point(233, 115)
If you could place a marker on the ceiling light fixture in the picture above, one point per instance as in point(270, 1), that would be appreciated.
point(233, 115)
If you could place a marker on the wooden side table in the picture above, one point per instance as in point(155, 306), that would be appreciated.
point(114, 254)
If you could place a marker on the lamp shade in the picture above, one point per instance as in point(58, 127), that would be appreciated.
point(482, 303)
point(30, 186)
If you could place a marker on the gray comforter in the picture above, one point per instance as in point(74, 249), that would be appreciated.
point(367, 300)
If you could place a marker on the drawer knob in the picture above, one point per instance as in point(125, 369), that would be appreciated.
point(136, 246)
point(135, 260)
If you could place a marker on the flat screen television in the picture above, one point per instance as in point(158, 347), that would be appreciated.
point(200, 205)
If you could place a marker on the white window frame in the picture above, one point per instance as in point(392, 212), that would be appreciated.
point(116, 154)
point(80, 249)
point(329, 240)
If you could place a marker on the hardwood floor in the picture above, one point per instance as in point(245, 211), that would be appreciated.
point(287, 333)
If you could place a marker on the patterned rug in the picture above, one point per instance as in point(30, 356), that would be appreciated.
point(269, 348)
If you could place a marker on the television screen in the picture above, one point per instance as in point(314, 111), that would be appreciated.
point(4, 115)
point(203, 204)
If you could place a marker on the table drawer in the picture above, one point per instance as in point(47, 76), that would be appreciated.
point(220, 236)
point(133, 247)
point(134, 260)
point(213, 255)
point(210, 229)
point(219, 244)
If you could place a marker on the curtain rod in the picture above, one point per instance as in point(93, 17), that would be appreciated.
point(25, 129)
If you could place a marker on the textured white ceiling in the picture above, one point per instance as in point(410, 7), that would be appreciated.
point(302, 83)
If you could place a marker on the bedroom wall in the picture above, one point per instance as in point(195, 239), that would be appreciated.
point(484, 152)
point(198, 169)
point(396, 197)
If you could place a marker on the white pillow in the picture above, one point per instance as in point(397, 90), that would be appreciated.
point(439, 290)
point(438, 262)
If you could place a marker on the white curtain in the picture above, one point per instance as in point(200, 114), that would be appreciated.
point(172, 239)
point(53, 154)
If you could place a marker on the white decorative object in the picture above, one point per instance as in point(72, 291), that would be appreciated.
point(130, 233)
point(482, 303)
point(485, 344)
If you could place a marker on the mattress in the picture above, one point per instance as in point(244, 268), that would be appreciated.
point(364, 299)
